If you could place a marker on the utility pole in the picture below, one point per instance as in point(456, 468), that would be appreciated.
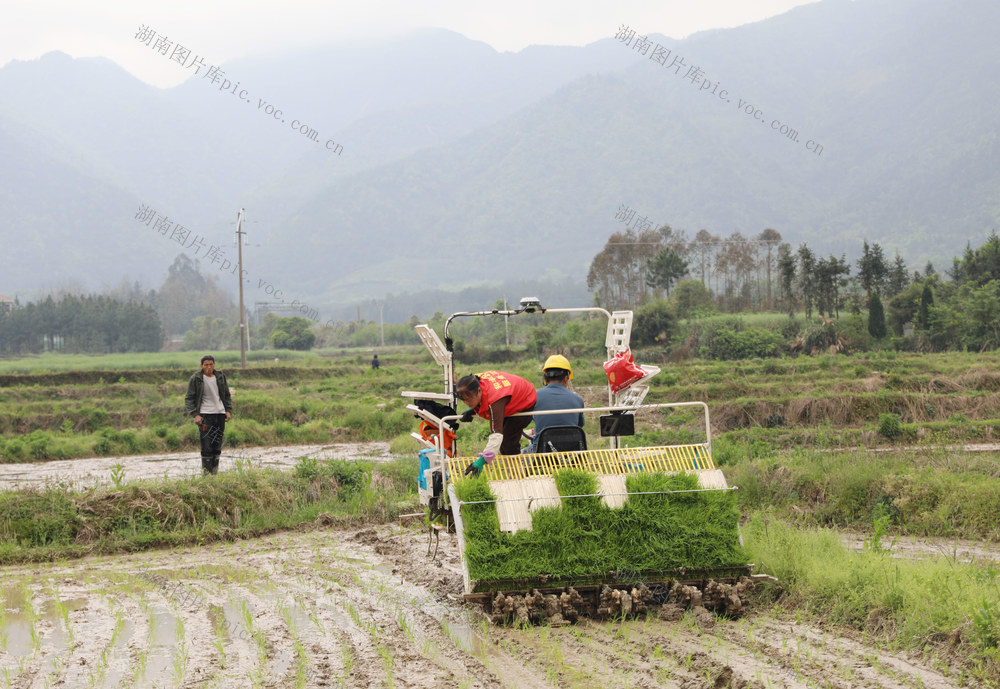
point(506, 330)
point(381, 305)
point(243, 317)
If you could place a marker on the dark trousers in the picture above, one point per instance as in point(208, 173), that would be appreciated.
point(213, 429)
point(512, 427)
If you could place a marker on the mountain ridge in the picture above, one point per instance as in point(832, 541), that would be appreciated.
point(461, 163)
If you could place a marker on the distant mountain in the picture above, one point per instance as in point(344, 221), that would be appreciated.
point(899, 95)
point(461, 165)
point(132, 134)
point(196, 154)
point(50, 197)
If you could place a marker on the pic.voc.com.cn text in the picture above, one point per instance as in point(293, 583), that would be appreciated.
point(184, 57)
point(670, 60)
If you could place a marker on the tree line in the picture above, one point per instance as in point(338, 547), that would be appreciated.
point(635, 266)
point(127, 318)
point(664, 272)
point(80, 324)
point(757, 273)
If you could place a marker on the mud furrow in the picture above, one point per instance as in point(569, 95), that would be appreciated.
point(328, 608)
point(859, 663)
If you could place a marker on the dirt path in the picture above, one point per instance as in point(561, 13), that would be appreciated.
point(91, 471)
point(915, 547)
point(330, 608)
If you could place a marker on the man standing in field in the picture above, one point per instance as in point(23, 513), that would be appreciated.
point(209, 402)
point(495, 395)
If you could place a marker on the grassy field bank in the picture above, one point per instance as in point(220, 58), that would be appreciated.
point(56, 523)
point(946, 612)
point(62, 407)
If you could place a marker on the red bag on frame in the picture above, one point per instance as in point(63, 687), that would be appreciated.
point(622, 371)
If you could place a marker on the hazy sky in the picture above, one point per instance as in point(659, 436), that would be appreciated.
point(225, 29)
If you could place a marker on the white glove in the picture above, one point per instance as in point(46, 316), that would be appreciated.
point(493, 443)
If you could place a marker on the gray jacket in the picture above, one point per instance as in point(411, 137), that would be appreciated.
point(196, 389)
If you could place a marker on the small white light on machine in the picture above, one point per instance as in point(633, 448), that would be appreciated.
point(529, 304)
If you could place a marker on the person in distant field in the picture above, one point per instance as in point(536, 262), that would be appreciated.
point(208, 401)
point(556, 394)
point(495, 395)
point(375, 363)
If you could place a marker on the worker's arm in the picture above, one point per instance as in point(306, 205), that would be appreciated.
point(496, 414)
point(495, 440)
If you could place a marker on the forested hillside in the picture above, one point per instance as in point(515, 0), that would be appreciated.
point(835, 123)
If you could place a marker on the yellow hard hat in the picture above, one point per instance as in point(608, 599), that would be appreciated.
point(558, 361)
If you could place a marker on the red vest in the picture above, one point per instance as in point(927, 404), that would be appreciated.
point(494, 384)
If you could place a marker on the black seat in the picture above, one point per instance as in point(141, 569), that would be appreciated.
point(561, 439)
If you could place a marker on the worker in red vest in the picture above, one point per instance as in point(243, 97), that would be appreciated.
point(495, 396)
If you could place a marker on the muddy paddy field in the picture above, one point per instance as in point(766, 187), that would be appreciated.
point(327, 607)
point(378, 605)
point(191, 585)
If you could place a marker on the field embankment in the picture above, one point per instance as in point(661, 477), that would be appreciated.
point(865, 400)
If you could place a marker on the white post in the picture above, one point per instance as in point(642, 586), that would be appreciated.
point(243, 318)
point(506, 330)
point(381, 325)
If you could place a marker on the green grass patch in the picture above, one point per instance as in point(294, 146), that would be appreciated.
point(932, 493)
point(56, 522)
point(583, 537)
point(71, 402)
point(933, 606)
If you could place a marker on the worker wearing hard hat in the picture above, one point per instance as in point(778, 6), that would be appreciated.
point(557, 373)
point(495, 395)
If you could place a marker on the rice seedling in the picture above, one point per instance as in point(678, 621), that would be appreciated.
point(119, 625)
point(151, 626)
point(405, 625)
point(96, 675)
point(312, 613)
point(246, 615)
point(348, 655)
point(256, 676)
point(141, 660)
point(31, 615)
point(3, 626)
point(650, 532)
point(387, 662)
point(261, 641)
point(553, 653)
point(354, 615)
point(301, 663)
point(180, 653)
point(455, 638)
point(220, 647)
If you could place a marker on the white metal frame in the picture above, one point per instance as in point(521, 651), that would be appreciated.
point(617, 338)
